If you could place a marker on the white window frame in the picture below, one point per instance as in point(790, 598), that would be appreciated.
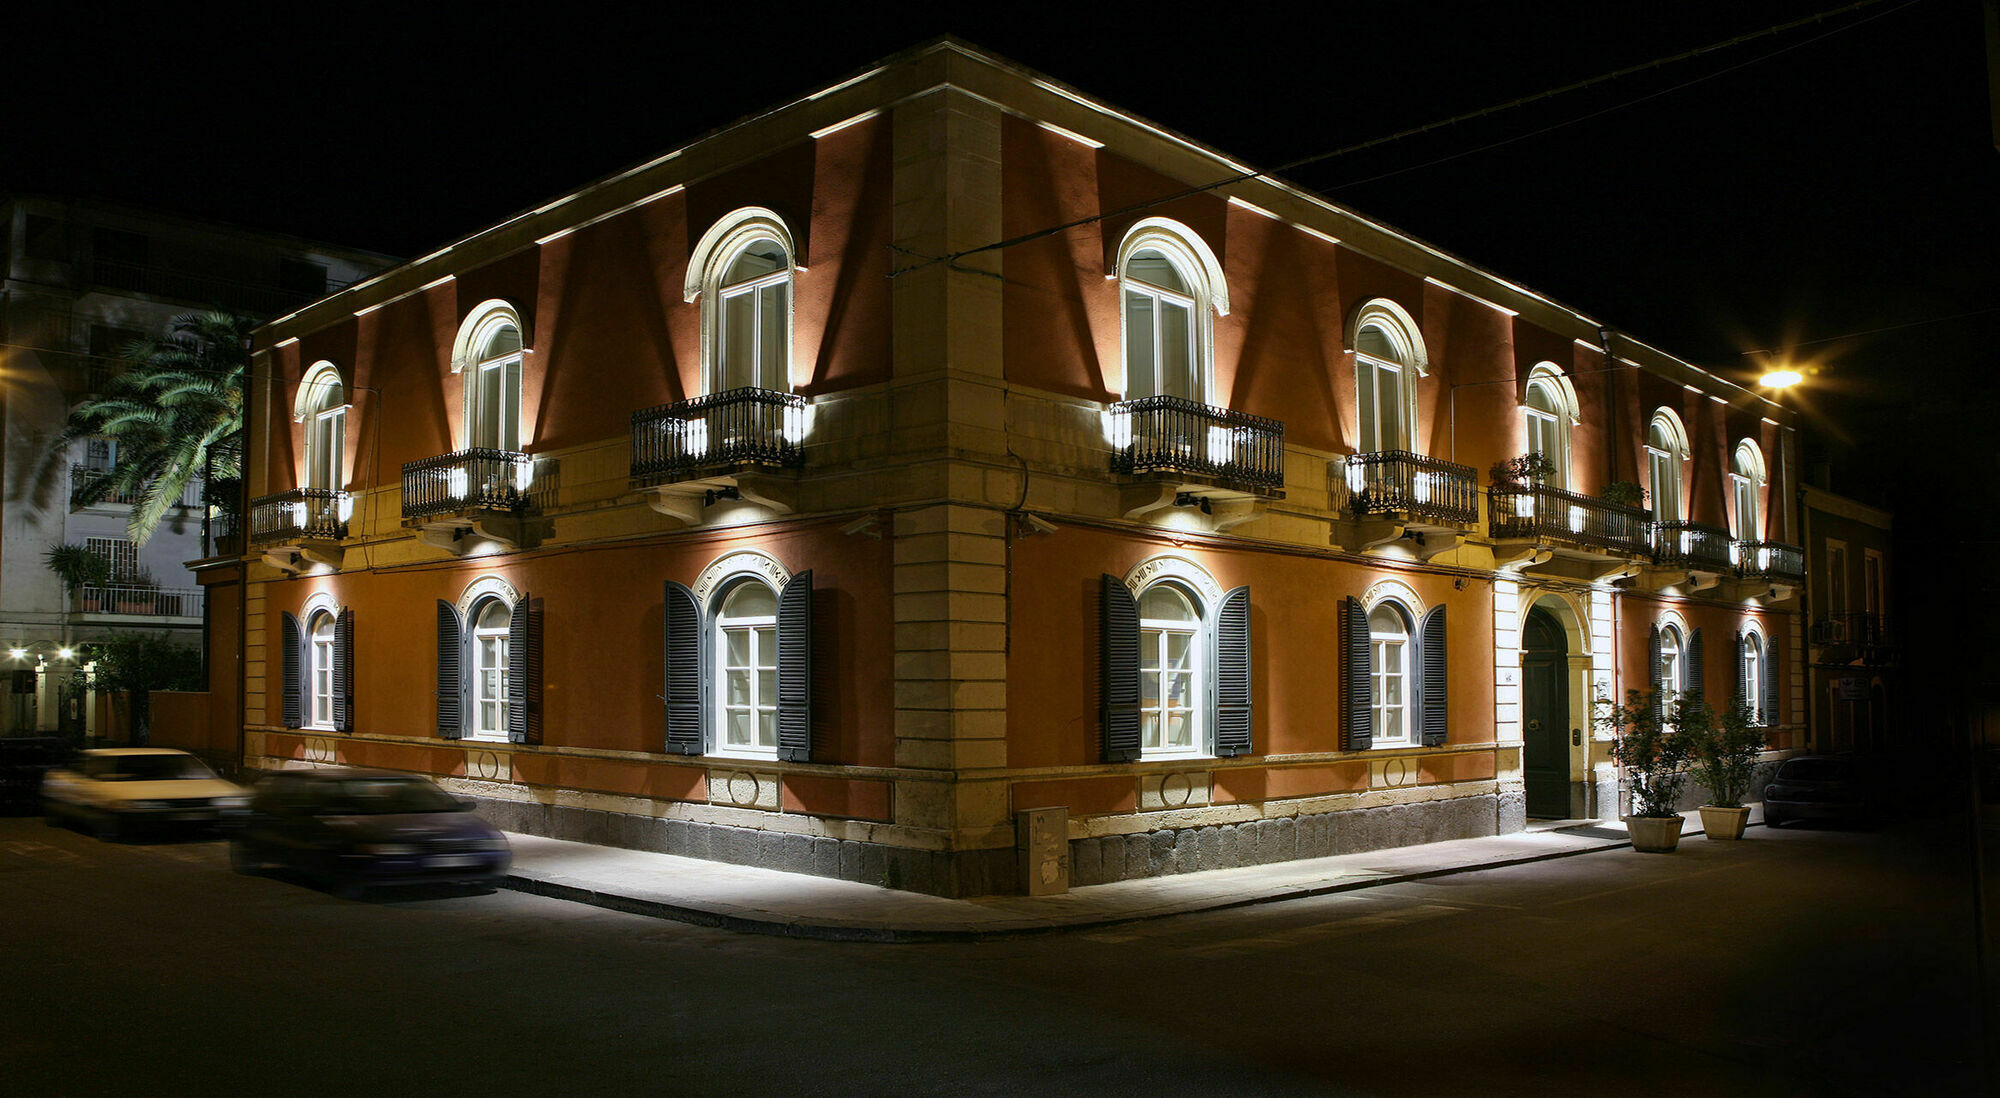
point(751, 627)
point(1756, 652)
point(1673, 661)
point(1154, 646)
point(709, 264)
point(1380, 677)
point(1666, 464)
point(319, 667)
point(1207, 297)
point(490, 652)
point(322, 410)
point(1548, 430)
point(1411, 362)
point(1747, 482)
point(493, 424)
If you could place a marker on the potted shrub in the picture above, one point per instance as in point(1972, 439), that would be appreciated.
point(1521, 472)
point(137, 593)
point(1725, 759)
point(79, 569)
point(1647, 742)
point(1623, 493)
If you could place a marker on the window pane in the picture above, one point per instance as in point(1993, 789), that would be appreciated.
point(750, 600)
point(1389, 409)
point(739, 728)
point(767, 688)
point(1364, 377)
point(1141, 377)
point(736, 647)
point(737, 688)
point(1177, 351)
point(509, 411)
point(774, 354)
point(767, 729)
point(1180, 689)
point(759, 259)
point(1164, 603)
point(505, 339)
point(1155, 269)
point(1180, 648)
point(1149, 730)
point(1149, 687)
point(767, 647)
point(1180, 731)
point(738, 353)
point(486, 408)
point(1384, 621)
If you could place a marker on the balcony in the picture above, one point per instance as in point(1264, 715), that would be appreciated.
point(302, 525)
point(1220, 463)
point(133, 600)
point(84, 477)
point(740, 445)
point(1691, 546)
point(1771, 560)
point(1393, 495)
point(1855, 636)
point(1604, 539)
point(475, 494)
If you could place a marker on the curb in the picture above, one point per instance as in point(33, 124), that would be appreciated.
point(775, 926)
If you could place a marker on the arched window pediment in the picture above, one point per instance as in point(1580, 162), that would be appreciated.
point(742, 272)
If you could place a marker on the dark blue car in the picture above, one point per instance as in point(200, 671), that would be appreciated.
point(355, 829)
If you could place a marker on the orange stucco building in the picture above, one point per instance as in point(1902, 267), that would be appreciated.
point(836, 490)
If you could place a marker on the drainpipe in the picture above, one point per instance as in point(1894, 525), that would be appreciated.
point(1604, 334)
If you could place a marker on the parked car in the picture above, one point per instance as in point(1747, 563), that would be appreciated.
point(355, 829)
point(24, 760)
point(121, 791)
point(1821, 787)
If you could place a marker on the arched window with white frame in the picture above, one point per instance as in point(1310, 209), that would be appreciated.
point(1170, 671)
point(1389, 669)
point(1171, 287)
point(1666, 460)
point(316, 665)
point(489, 664)
point(1394, 671)
point(739, 656)
point(322, 411)
point(491, 346)
point(1175, 659)
point(1549, 408)
point(489, 668)
point(746, 659)
point(320, 645)
point(742, 272)
point(1747, 481)
point(1388, 358)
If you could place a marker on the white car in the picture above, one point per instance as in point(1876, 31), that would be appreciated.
point(121, 790)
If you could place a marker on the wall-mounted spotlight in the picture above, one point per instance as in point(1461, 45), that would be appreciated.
point(1027, 525)
point(866, 526)
point(1189, 499)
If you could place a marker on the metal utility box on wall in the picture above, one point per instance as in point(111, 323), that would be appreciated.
point(1042, 837)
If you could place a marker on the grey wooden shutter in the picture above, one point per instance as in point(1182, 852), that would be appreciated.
point(795, 669)
point(524, 673)
point(684, 696)
point(292, 658)
point(343, 671)
point(450, 672)
point(1357, 719)
point(1741, 690)
point(1118, 640)
point(1433, 668)
point(1656, 672)
point(1770, 685)
point(1232, 673)
point(1694, 673)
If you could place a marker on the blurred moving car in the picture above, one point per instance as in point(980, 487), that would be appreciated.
point(23, 762)
point(119, 791)
point(355, 829)
point(1821, 787)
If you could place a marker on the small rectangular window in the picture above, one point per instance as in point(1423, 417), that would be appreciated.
point(119, 553)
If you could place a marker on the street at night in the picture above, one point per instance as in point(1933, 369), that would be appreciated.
point(1803, 961)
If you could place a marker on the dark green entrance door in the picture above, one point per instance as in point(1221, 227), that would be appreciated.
point(1545, 716)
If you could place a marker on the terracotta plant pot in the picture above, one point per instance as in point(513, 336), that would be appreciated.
point(1654, 834)
point(1718, 822)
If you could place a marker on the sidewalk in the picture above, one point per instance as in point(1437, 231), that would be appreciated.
point(766, 901)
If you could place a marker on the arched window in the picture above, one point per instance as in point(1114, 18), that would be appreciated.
point(322, 409)
point(320, 645)
point(490, 642)
point(1388, 359)
point(1389, 669)
point(1666, 457)
point(1169, 281)
point(1672, 663)
point(1750, 677)
point(746, 656)
point(742, 272)
point(489, 671)
point(1757, 675)
point(1747, 480)
point(490, 348)
point(1550, 410)
point(1170, 672)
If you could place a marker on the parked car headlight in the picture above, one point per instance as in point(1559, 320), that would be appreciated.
point(145, 806)
point(231, 802)
point(387, 848)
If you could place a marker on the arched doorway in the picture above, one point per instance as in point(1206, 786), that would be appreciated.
point(1545, 715)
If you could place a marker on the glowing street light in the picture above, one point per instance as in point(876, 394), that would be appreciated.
point(1780, 379)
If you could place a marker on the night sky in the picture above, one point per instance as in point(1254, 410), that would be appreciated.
point(1836, 178)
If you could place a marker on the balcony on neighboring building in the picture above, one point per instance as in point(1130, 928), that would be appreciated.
point(1221, 464)
point(82, 478)
point(1599, 539)
point(1854, 636)
point(182, 283)
point(739, 445)
point(113, 603)
point(475, 494)
point(304, 524)
point(1395, 495)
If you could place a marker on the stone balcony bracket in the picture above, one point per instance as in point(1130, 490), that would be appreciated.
point(1188, 505)
point(688, 501)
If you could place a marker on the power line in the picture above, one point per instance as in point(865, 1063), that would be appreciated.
point(1872, 331)
point(1239, 177)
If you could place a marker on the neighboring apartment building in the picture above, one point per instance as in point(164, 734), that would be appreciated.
point(83, 280)
point(1855, 677)
point(753, 504)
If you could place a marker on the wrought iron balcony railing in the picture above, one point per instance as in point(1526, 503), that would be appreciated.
point(1169, 434)
point(1772, 560)
point(1563, 517)
point(1682, 544)
point(1399, 482)
point(83, 477)
point(300, 513)
point(141, 599)
point(688, 438)
point(478, 479)
point(1852, 627)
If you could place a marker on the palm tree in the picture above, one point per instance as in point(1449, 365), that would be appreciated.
point(177, 416)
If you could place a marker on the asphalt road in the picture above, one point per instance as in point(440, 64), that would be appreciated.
point(1799, 962)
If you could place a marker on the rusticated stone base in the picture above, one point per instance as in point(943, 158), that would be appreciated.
point(1261, 842)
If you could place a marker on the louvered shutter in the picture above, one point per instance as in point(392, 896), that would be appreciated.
point(292, 658)
point(684, 679)
point(1232, 673)
point(524, 673)
point(1118, 628)
point(1694, 672)
point(795, 669)
point(1357, 727)
point(450, 672)
point(1770, 686)
point(343, 671)
point(1740, 690)
point(1433, 669)
point(1656, 673)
